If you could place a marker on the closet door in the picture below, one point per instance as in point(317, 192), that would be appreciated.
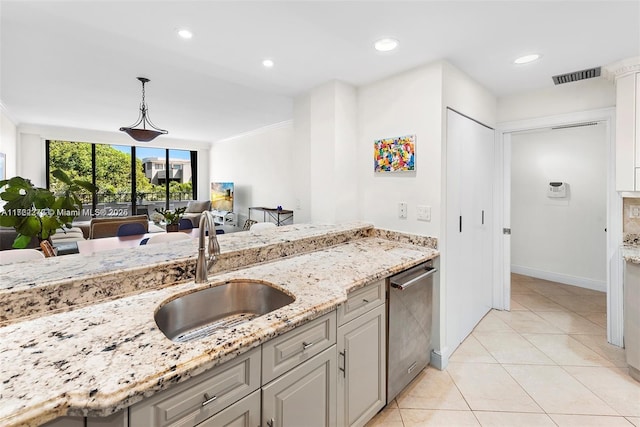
point(468, 252)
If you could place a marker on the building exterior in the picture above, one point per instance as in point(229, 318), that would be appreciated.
point(154, 169)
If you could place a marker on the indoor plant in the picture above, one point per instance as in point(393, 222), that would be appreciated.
point(37, 212)
point(172, 218)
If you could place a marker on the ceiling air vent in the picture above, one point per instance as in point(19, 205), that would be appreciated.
point(577, 75)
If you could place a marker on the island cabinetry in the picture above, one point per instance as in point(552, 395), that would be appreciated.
point(197, 400)
point(119, 419)
point(287, 351)
point(632, 318)
point(361, 349)
point(304, 396)
point(244, 413)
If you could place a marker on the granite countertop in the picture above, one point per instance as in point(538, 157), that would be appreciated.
point(58, 284)
point(100, 358)
point(631, 253)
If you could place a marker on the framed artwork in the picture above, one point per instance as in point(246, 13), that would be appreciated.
point(396, 154)
point(3, 166)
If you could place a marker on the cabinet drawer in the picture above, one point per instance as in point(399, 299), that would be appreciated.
point(244, 413)
point(186, 402)
point(289, 350)
point(362, 300)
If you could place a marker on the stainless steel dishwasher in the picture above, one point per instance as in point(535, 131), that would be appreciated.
point(409, 331)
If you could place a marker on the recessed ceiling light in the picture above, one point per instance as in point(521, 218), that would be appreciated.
point(185, 34)
point(268, 63)
point(526, 59)
point(386, 45)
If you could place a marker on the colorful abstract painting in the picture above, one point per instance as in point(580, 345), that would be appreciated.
point(395, 154)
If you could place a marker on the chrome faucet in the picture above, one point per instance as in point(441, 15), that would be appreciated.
point(204, 264)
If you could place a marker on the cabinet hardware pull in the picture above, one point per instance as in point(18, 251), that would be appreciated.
point(344, 363)
point(482, 217)
point(366, 301)
point(461, 223)
point(208, 399)
point(271, 422)
point(306, 345)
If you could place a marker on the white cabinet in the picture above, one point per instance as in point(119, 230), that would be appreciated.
point(628, 132)
point(66, 422)
point(224, 218)
point(244, 413)
point(632, 318)
point(304, 396)
point(119, 419)
point(362, 367)
point(285, 352)
point(194, 401)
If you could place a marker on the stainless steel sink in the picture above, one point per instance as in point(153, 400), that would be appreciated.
point(199, 314)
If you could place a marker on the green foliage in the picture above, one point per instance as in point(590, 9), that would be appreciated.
point(172, 217)
point(35, 211)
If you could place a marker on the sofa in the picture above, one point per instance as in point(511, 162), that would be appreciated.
point(195, 209)
point(9, 234)
point(108, 227)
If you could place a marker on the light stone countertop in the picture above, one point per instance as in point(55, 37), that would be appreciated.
point(98, 359)
point(57, 284)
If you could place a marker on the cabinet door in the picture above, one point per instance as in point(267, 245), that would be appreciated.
point(305, 396)
point(119, 419)
point(244, 413)
point(66, 422)
point(362, 368)
point(199, 398)
point(625, 132)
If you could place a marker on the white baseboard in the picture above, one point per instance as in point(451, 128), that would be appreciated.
point(440, 358)
point(583, 282)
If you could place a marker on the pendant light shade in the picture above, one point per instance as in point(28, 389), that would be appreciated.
point(148, 131)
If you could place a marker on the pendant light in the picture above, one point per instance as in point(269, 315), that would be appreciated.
point(143, 134)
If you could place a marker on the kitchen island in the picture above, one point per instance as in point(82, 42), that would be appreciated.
point(95, 358)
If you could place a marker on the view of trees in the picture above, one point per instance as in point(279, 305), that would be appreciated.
point(113, 173)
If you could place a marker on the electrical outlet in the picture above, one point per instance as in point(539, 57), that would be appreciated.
point(424, 213)
point(402, 210)
point(634, 211)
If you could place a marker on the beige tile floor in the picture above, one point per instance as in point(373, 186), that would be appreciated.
point(545, 363)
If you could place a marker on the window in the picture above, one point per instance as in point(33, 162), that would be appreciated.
point(129, 179)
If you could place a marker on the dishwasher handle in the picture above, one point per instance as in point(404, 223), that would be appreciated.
point(403, 283)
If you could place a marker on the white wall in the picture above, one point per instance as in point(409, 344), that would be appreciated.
point(260, 166)
point(9, 144)
point(582, 95)
point(404, 104)
point(301, 158)
point(332, 147)
point(562, 239)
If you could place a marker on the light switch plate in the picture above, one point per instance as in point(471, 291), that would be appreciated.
point(424, 213)
point(634, 211)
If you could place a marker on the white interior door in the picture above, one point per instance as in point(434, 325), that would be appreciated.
point(469, 253)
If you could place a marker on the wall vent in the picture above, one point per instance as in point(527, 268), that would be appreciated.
point(574, 125)
point(577, 75)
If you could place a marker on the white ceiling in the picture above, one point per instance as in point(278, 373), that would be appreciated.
point(75, 63)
